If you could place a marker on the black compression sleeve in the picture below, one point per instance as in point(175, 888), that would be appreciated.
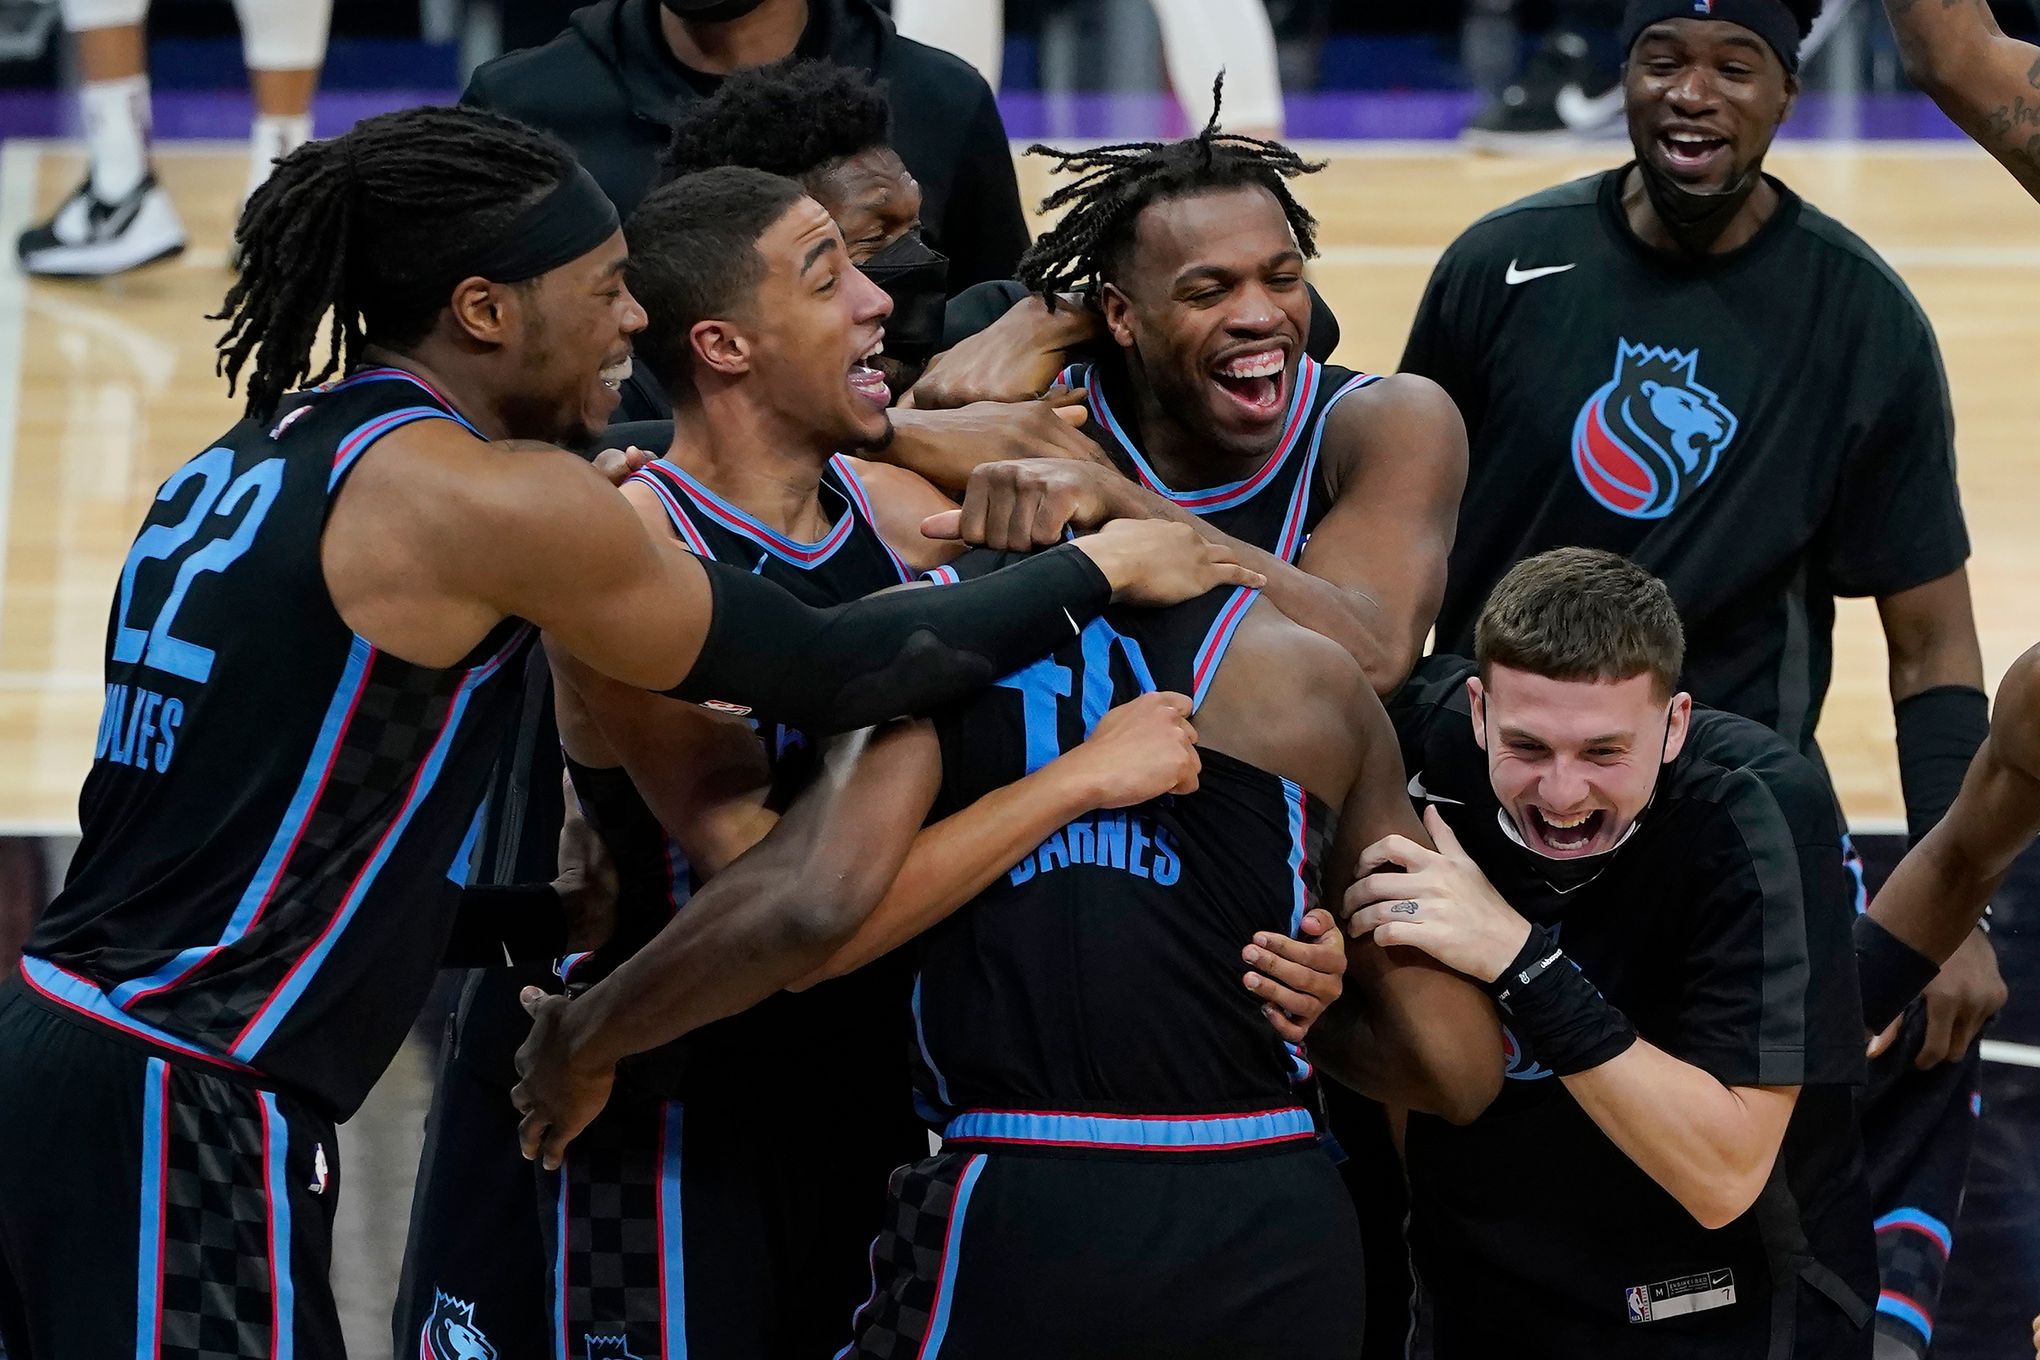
point(1938, 733)
point(889, 655)
point(521, 923)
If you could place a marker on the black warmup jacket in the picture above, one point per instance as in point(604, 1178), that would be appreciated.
point(609, 86)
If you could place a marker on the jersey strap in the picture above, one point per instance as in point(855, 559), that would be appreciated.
point(675, 511)
point(1211, 652)
point(1298, 806)
point(1212, 499)
point(859, 497)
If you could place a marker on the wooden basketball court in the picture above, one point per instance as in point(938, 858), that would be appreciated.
point(105, 387)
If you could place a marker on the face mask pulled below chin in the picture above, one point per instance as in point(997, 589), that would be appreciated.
point(1696, 220)
point(711, 11)
point(916, 277)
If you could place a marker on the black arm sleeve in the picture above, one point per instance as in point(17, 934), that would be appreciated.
point(524, 923)
point(890, 655)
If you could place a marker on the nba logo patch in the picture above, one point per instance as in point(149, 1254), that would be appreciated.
point(319, 1173)
point(1703, 6)
point(1651, 434)
point(1639, 1295)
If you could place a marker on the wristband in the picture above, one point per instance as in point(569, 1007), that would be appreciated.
point(1892, 973)
point(1938, 733)
point(1558, 1015)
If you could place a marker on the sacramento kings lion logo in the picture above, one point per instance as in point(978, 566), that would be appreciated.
point(450, 1333)
point(1651, 434)
point(610, 1346)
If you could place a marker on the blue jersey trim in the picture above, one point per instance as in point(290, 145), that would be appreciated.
point(276, 1184)
point(805, 556)
point(928, 1057)
point(81, 994)
point(364, 436)
point(672, 1242)
point(1893, 1304)
point(952, 1253)
point(1211, 651)
point(1163, 1133)
point(1299, 859)
point(149, 1244)
point(1919, 1221)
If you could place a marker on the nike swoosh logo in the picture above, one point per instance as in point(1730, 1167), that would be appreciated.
point(1515, 276)
point(1583, 112)
point(1418, 791)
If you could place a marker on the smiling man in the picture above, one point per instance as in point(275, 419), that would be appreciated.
point(1682, 361)
point(1650, 890)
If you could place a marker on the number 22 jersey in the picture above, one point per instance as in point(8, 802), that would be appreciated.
point(275, 815)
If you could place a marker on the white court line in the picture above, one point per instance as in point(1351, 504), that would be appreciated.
point(18, 162)
point(2015, 1055)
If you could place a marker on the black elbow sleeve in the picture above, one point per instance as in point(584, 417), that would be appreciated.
point(889, 655)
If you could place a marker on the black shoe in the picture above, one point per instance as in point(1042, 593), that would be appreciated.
point(88, 238)
point(1563, 95)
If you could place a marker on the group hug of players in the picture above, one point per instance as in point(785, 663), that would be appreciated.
point(1093, 812)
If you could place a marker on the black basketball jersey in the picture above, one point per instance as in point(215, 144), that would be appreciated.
point(1101, 973)
point(1276, 508)
point(274, 818)
point(838, 1028)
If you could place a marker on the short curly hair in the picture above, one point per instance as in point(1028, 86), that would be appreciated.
point(790, 118)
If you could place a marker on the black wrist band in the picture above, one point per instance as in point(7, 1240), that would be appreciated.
point(1557, 1014)
point(1892, 973)
point(1938, 733)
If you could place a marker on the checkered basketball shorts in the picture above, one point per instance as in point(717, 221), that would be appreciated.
point(127, 1175)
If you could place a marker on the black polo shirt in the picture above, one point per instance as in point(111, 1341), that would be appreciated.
point(1764, 430)
point(1721, 929)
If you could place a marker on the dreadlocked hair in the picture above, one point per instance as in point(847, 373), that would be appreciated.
point(790, 118)
point(1115, 184)
point(372, 227)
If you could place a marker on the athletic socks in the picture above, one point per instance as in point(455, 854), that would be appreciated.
point(116, 135)
point(273, 137)
point(120, 217)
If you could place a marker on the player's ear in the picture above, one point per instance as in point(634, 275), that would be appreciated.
point(484, 310)
point(1116, 307)
point(721, 346)
point(1476, 702)
point(1677, 723)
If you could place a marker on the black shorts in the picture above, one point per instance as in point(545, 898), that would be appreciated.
point(152, 1204)
point(475, 1258)
point(710, 1229)
point(1089, 1238)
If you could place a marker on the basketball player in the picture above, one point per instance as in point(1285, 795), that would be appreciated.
point(1650, 891)
point(1126, 1168)
point(767, 1231)
point(1340, 487)
point(1760, 472)
point(291, 754)
point(121, 217)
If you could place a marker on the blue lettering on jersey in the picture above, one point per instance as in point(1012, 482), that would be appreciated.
point(138, 728)
point(1107, 840)
point(1651, 433)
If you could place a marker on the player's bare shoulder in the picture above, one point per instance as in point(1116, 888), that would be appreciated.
point(2015, 716)
point(1404, 422)
point(1290, 701)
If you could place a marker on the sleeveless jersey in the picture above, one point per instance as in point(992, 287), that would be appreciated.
point(1101, 973)
point(1277, 507)
point(274, 819)
point(836, 1028)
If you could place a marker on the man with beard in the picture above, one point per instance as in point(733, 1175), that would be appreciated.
point(1619, 394)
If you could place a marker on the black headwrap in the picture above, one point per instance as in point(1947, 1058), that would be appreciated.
point(1768, 19)
point(567, 223)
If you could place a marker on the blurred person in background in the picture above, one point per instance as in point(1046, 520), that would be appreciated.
point(1570, 87)
point(1199, 39)
point(612, 83)
point(121, 217)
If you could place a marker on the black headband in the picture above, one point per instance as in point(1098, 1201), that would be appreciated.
point(1768, 19)
point(564, 225)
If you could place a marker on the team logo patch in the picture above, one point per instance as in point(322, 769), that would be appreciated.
point(724, 706)
point(450, 1333)
point(1651, 433)
point(1522, 1067)
point(608, 1346)
point(1703, 6)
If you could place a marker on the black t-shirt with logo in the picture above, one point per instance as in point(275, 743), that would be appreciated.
point(1766, 430)
point(1720, 927)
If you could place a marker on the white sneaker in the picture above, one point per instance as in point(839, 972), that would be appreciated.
point(88, 238)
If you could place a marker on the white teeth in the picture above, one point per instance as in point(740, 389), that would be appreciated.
point(1564, 823)
point(616, 374)
point(1263, 365)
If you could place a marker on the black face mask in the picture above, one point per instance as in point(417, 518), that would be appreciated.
point(1696, 220)
point(916, 277)
point(711, 11)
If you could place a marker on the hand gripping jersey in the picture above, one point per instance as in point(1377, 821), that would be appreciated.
point(1276, 508)
point(846, 1018)
point(1099, 977)
point(274, 819)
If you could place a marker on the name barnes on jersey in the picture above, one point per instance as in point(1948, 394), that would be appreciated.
point(1107, 840)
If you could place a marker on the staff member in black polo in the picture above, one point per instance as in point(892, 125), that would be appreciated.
point(1682, 361)
point(1651, 892)
point(611, 84)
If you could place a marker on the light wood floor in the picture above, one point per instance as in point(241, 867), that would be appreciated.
point(105, 387)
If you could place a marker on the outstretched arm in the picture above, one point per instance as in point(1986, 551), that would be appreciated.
point(1987, 83)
